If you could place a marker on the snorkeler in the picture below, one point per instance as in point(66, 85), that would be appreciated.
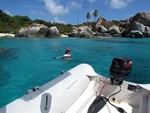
point(67, 53)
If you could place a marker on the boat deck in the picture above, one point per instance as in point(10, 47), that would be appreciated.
point(82, 104)
point(76, 90)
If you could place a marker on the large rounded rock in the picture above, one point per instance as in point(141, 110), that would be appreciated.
point(82, 31)
point(136, 34)
point(22, 31)
point(43, 32)
point(85, 32)
point(114, 30)
point(102, 22)
point(107, 35)
point(117, 35)
point(124, 24)
point(147, 31)
point(53, 32)
point(143, 18)
point(98, 34)
point(31, 30)
point(102, 29)
point(136, 26)
point(74, 32)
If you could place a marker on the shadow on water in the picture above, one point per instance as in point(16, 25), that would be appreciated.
point(6, 54)
point(4, 76)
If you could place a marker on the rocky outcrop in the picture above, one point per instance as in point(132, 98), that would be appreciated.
point(139, 28)
point(103, 22)
point(138, 25)
point(83, 31)
point(147, 31)
point(143, 18)
point(85, 34)
point(53, 32)
point(102, 25)
point(74, 32)
point(107, 35)
point(31, 30)
point(117, 35)
point(43, 32)
point(38, 30)
point(102, 29)
point(124, 24)
point(114, 30)
point(136, 34)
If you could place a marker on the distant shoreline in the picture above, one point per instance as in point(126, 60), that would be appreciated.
point(7, 35)
point(13, 35)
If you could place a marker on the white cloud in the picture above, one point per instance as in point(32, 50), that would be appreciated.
point(119, 4)
point(55, 8)
point(57, 20)
point(8, 12)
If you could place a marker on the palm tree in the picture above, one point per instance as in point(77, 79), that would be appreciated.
point(88, 16)
point(95, 13)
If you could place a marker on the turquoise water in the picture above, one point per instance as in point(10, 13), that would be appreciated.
point(26, 63)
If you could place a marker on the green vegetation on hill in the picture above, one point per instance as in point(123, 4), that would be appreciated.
point(12, 24)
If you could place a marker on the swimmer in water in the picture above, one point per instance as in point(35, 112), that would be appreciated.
point(67, 53)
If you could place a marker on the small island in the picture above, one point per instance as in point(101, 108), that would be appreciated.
point(137, 26)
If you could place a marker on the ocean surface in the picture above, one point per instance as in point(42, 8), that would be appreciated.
point(26, 63)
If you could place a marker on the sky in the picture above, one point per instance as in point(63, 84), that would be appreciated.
point(74, 11)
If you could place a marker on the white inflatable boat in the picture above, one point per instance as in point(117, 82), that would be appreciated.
point(82, 90)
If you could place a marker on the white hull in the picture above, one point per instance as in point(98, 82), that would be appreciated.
point(75, 90)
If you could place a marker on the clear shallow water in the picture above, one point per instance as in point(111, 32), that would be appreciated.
point(26, 63)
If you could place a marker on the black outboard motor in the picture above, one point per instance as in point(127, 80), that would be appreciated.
point(120, 69)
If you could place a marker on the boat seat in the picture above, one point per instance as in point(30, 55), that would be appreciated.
point(82, 104)
point(83, 101)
